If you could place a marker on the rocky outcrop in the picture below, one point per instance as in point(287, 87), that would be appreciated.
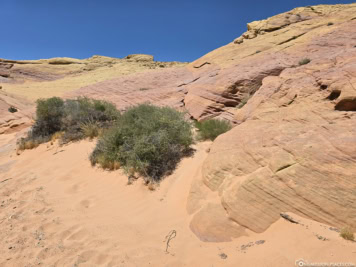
point(43, 78)
point(159, 87)
point(15, 114)
point(228, 76)
point(139, 57)
point(19, 71)
point(294, 146)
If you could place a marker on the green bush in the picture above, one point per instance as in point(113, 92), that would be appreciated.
point(304, 61)
point(90, 129)
point(147, 140)
point(347, 233)
point(76, 119)
point(212, 128)
point(83, 115)
point(49, 113)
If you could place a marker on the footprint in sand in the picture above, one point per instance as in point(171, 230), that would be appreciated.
point(73, 189)
point(85, 203)
point(66, 233)
point(79, 235)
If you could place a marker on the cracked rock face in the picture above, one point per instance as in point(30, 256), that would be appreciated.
point(294, 146)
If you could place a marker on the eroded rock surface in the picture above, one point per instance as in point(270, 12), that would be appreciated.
point(227, 77)
point(160, 87)
point(43, 78)
point(294, 146)
point(15, 113)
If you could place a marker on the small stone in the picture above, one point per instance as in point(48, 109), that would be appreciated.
point(239, 40)
point(334, 229)
point(223, 256)
point(260, 242)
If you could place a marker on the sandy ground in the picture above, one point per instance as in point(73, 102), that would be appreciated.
point(57, 210)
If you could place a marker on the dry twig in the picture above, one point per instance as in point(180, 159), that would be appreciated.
point(172, 234)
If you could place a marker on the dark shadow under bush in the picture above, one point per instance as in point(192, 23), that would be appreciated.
point(147, 140)
point(212, 128)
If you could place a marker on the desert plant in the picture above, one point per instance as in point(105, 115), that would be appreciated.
point(27, 144)
point(347, 234)
point(90, 129)
point(147, 140)
point(12, 109)
point(31, 142)
point(69, 120)
point(212, 128)
point(84, 117)
point(49, 113)
point(243, 101)
point(56, 136)
point(330, 23)
point(304, 61)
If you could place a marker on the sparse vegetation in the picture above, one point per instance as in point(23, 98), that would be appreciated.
point(347, 234)
point(330, 23)
point(243, 101)
point(304, 61)
point(212, 128)
point(68, 120)
point(90, 129)
point(145, 140)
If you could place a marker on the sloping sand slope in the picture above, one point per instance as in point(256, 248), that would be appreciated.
point(56, 210)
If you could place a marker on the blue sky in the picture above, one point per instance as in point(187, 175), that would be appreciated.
point(170, 30)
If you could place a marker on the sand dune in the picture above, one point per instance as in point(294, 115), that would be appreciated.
point(56, 210)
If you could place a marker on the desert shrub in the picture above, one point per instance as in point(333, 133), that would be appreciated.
point(12, 109)
point(330, 23)
point(69, 120)
point(90, 129)
point(83, 117)
point(49, 113)
point(347, 234)
point(244, 101)
point(31, 142)
point(304, 61)
point(212, 128)
point(147, 140)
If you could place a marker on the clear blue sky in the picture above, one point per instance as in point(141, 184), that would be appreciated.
point(170, 30)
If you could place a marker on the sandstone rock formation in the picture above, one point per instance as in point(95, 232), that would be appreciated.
point(160, 87)
point(33, 79)
point(233, 73)
point(20, 118)
point(294, 146)
point(54, 77)
point(139, 57)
